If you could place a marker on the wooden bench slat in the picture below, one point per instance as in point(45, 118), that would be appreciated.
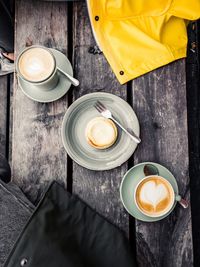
point(99, 189)
point(10, 117)
point(3, 112)
point(159, 99)
point(38, 155)
point(193, 100)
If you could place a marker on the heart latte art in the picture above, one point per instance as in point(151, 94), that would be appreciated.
point(153, 193)
point(154, 196)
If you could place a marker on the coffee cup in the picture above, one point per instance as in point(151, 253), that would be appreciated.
point(154, 196)
point(37, 65)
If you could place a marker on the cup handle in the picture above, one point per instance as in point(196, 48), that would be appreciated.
point(184, 203)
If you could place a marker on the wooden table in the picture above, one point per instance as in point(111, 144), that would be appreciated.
point(30, 131)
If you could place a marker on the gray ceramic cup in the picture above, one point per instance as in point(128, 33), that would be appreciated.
point(49, 82)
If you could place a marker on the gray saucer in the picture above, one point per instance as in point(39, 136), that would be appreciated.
point(60, 90)
point(73, 132)
point(129, 183)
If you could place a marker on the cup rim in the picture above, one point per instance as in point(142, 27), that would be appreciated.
point(172, 202)
point(26, 49)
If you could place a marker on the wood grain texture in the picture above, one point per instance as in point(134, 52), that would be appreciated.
point(3, 112)
point(38, 155)
point(193, 99)
point(99, 189)
point(159, 99)
point(10, 119)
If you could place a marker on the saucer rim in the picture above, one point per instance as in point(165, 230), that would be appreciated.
point(67, 87)
point(149, 219)
point(68, 150)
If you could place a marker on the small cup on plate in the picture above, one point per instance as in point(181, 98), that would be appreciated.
point(37, 65)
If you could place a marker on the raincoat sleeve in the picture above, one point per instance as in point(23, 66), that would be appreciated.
point(139, 36)
point(186, 9)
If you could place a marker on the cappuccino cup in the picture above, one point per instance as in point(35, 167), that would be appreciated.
point(154, 196)
point(37, 65)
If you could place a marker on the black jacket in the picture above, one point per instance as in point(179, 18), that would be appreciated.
point(65, 232)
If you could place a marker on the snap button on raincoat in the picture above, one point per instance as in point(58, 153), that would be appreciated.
point(139, 36)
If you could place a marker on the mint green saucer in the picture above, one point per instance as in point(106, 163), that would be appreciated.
point(60, 90)
point(129, 182)
point(73, 132)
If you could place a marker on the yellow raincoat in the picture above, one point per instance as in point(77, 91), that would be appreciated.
point(137, 36)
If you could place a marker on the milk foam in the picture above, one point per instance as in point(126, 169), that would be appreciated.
point(36, 64)
point(152, 193)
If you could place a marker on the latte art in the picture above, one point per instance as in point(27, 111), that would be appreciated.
point(154, 196)
point(36, 64)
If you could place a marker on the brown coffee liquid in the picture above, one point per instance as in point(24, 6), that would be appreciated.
point(154, 196)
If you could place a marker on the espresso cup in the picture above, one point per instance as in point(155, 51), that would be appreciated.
point(154, 196)
point(37, 65)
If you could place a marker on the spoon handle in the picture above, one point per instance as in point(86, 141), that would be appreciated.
point(74, 81)
point(184, 203)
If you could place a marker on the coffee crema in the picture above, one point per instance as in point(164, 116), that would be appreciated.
point(36, 64)
point(154, 196)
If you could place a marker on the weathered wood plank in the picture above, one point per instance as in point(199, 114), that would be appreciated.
point(3, 112)
point(159, 99)
point(193, 99)
point(10, 119)
point(99, 189)
point(6, 85)
point(38, 155)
